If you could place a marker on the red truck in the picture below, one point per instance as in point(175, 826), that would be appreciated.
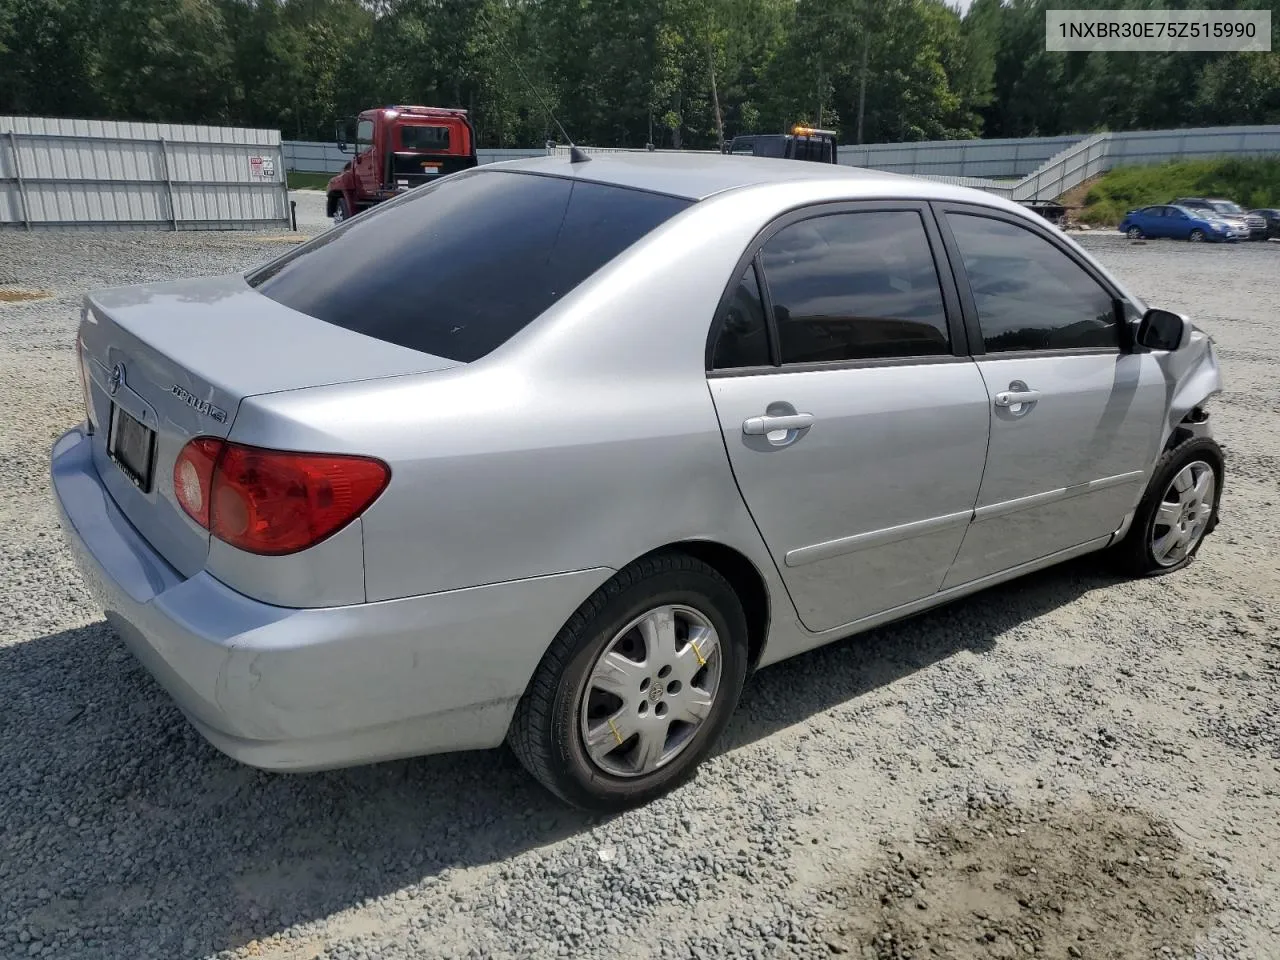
point(398, 148)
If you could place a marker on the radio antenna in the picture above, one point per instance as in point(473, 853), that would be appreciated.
point(575, 154)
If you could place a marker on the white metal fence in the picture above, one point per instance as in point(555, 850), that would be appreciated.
point(107, 175)
point(1101, 152)
point(1075, 159)
point(309, 156)
point(958, 158)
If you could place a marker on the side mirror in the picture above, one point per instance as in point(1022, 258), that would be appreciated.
point(1163, 330)
point(340, 130)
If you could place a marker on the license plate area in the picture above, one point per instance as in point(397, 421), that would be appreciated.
point(132, 445)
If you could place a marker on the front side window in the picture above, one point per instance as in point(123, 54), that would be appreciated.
point(1029, 294)
point(364, 133)
point(458, 267)
point(855, 286)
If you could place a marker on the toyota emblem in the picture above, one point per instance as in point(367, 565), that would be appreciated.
point(117, 378)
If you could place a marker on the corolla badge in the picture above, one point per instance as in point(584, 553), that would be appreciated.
point(198, 405)
point(117, 378)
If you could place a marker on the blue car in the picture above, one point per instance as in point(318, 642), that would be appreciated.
point(1180, 223)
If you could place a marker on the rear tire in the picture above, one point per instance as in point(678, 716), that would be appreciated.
point(615, 717)
point(1179, 509)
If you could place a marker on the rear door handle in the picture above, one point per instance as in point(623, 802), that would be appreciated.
point(1013, 398)
point(759, 426)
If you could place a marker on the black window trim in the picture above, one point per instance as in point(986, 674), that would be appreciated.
point(1123, 308)
point(951, 303)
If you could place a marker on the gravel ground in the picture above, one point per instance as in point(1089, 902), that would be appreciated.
point(1067, 766)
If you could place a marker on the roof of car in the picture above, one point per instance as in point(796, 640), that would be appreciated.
point(696, 176)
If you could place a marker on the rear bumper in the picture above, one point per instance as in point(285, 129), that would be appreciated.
point(288, 689)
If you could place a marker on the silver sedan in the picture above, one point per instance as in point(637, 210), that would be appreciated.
point(556, 452)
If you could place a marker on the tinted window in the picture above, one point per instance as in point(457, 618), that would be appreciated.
point(1030, 295)
point(457, 267)
point(771, 146)
point(855, 286)
point(741, 147)
point(424, 138)
point(1154, 211)
point(741, 337)
point(816, 150)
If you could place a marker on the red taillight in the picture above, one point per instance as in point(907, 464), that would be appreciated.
point(193, 477)
point(273, 501)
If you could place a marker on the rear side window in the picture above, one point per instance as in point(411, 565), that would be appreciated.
point(855, 286)
point(1029, 294)
point(742, 338)
point(457, 268)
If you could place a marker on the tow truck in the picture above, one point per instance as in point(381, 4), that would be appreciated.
point(802, 143)
point(395, 149)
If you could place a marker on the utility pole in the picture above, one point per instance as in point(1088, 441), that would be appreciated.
point(818, 111)
point(862, 82)
point(715, 96)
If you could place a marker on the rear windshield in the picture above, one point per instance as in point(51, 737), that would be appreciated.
point(815, 149)
point(457, 268)
point(771, 146)
point(433, 139)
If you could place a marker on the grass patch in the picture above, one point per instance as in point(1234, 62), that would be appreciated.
point(1250, 182)
point(308, 181)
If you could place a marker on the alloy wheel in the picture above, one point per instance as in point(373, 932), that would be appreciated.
point(1184, 513)
point(650, 691)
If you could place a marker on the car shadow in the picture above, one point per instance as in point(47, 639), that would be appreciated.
point(119, 819)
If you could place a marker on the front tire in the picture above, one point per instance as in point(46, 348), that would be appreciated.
point(341, 211)
point(1179, 509)
point(637, 687)
point(1133, 233)
point(1197, 236)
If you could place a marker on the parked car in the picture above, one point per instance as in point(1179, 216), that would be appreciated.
point(1227, 210)
point(1180, 223)
point(556, 453)
point(1272, 218)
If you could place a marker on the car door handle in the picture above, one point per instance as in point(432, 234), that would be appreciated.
point(758, 426)
point(1013, 398)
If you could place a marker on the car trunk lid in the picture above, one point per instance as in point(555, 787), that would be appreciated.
point(171, 361)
